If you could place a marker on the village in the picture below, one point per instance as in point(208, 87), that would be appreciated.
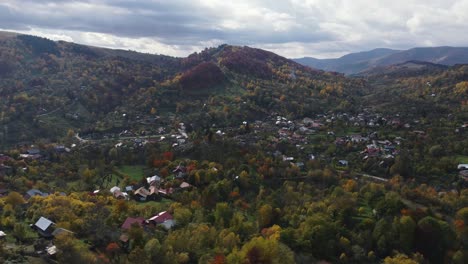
point(343, 141)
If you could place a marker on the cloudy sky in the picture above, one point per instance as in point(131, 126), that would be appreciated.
point(292, 28)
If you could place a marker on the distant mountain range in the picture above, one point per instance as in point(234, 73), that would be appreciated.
point(355, 63)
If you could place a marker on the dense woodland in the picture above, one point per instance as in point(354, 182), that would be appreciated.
point(259, 159)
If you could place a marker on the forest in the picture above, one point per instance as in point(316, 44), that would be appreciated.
point(230, 155)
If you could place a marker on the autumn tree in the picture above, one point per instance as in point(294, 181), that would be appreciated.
point(73, 251)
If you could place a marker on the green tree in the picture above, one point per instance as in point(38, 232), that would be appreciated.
point(406, 229)
point(399, 259)
point(73, 251)
point(20, 231)
point(222, 214)
point(265, 216)
point(153, 249)
point(402, 165)
point(14, 199)
point(261, 250)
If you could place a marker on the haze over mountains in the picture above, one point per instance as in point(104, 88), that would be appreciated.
point(355, 63)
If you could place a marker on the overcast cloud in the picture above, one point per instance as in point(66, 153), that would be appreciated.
point(292, 28)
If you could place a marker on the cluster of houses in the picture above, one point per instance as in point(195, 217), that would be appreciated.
point(47, 229)
point(154, 188)
point(163, 219)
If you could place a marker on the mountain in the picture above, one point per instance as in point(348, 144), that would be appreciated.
point(348, 64)
point(355, 63)
point(49, 87)
point(405, 69)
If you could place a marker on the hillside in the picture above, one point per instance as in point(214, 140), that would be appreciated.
point(364, 61)
point(409, 68)
point(52, 87)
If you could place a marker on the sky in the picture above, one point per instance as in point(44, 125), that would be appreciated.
point(291, 28)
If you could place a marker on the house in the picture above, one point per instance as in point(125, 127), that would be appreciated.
point(114, 189)
point(141, 194)
point(153, 190)
point(300, 164)
point(31, 154)
point(463, 174)
point(373, 150)
point(33, 151)
point(340, 141)
point(343, 163)
point(61, 149)
point(185, 185)
point(168, 224)
point(44, 226)
point(180, 168)
point(155, 179)
point(51, 250)
point(462, 166)
point(120, 195)
point(166, 192)
point(357, 138)
point(180, 175)
point(34, 192)
point(163, 218)
point(307, 121)
point(132, 221)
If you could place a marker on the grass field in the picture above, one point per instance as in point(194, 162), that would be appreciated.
point(462, 159)
point(135, 172)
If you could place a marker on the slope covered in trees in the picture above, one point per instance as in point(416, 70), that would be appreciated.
point(49, 87)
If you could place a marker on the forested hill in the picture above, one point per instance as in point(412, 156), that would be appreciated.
point(48, 87)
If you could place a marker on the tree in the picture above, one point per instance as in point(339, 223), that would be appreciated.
point(265, 216)
point(112, 250)
point(261, 250)
point(432, 239)
point(20, 231)
point(72, 251)
point(402, 165)
point(153, 249)
point(182, 216)
point(222, 214)
point(399, 259)
point(436, 151)
point(14, 199)
point(407, 228)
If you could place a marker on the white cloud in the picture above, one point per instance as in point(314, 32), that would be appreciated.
point(292, 28)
